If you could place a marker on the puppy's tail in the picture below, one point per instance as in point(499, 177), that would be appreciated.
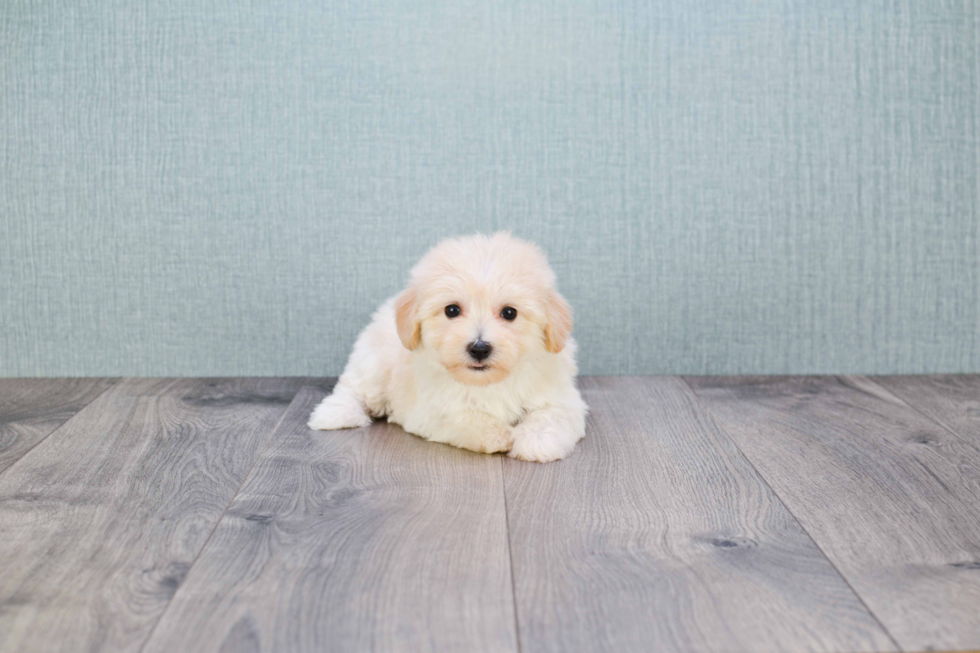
point(341, 410)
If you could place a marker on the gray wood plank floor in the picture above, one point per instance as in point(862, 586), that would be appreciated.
point(951, 400)
point(30, 409)
point(704, 514)
point(658, 535)
point(370, 539)
point(891, 497)
point(102, 519)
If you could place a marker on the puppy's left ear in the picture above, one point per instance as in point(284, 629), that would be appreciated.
point(407, 320)
point(559, 322)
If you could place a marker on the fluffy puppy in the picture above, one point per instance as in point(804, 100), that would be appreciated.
point(477, 353)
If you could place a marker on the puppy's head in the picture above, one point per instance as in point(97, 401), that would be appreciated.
point(480, 303)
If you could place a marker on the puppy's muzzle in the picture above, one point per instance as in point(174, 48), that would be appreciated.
point(479, 350)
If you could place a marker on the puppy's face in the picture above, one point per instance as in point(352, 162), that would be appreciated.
point(479, 304)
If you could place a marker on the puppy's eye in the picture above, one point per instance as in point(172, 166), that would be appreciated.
point(453, 311)
point(509, 314)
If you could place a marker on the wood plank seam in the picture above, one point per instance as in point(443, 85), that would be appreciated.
point(224, 512)
point(710, 415)
point(113, 382)
point(510, 556)
point(931, 418)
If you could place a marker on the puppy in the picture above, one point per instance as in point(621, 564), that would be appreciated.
point(477, 353)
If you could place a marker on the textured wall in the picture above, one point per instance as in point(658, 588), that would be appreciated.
point(223, 187)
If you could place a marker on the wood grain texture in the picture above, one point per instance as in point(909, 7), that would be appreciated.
point(952, 400)
point(102, 520)
point(657, 535)
point(892, 498)
point(362, 540)
point(30, 409)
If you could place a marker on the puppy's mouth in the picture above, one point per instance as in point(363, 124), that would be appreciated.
point(479, 367)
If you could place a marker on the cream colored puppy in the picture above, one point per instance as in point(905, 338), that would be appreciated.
point(476, 352)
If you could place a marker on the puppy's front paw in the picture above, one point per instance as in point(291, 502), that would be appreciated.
point(541, 445)
point(338, 413)
point(498, 440)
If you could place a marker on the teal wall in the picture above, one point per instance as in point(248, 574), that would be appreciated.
point(222, 187)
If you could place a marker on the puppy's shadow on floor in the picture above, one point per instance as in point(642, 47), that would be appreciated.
point(382, 444)
point(383, 433)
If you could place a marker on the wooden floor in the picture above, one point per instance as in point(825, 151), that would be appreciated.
point(699, 514)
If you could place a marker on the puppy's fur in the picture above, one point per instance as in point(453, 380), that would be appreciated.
point(412, 363)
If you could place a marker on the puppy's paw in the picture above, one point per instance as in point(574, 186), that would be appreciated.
point(338, 413)
point(498, 440)
point(539, 445)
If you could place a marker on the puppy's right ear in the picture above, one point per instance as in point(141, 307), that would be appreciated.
point(407, 319)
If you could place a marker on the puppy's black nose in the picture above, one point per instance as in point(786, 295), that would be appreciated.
point(479, 349)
